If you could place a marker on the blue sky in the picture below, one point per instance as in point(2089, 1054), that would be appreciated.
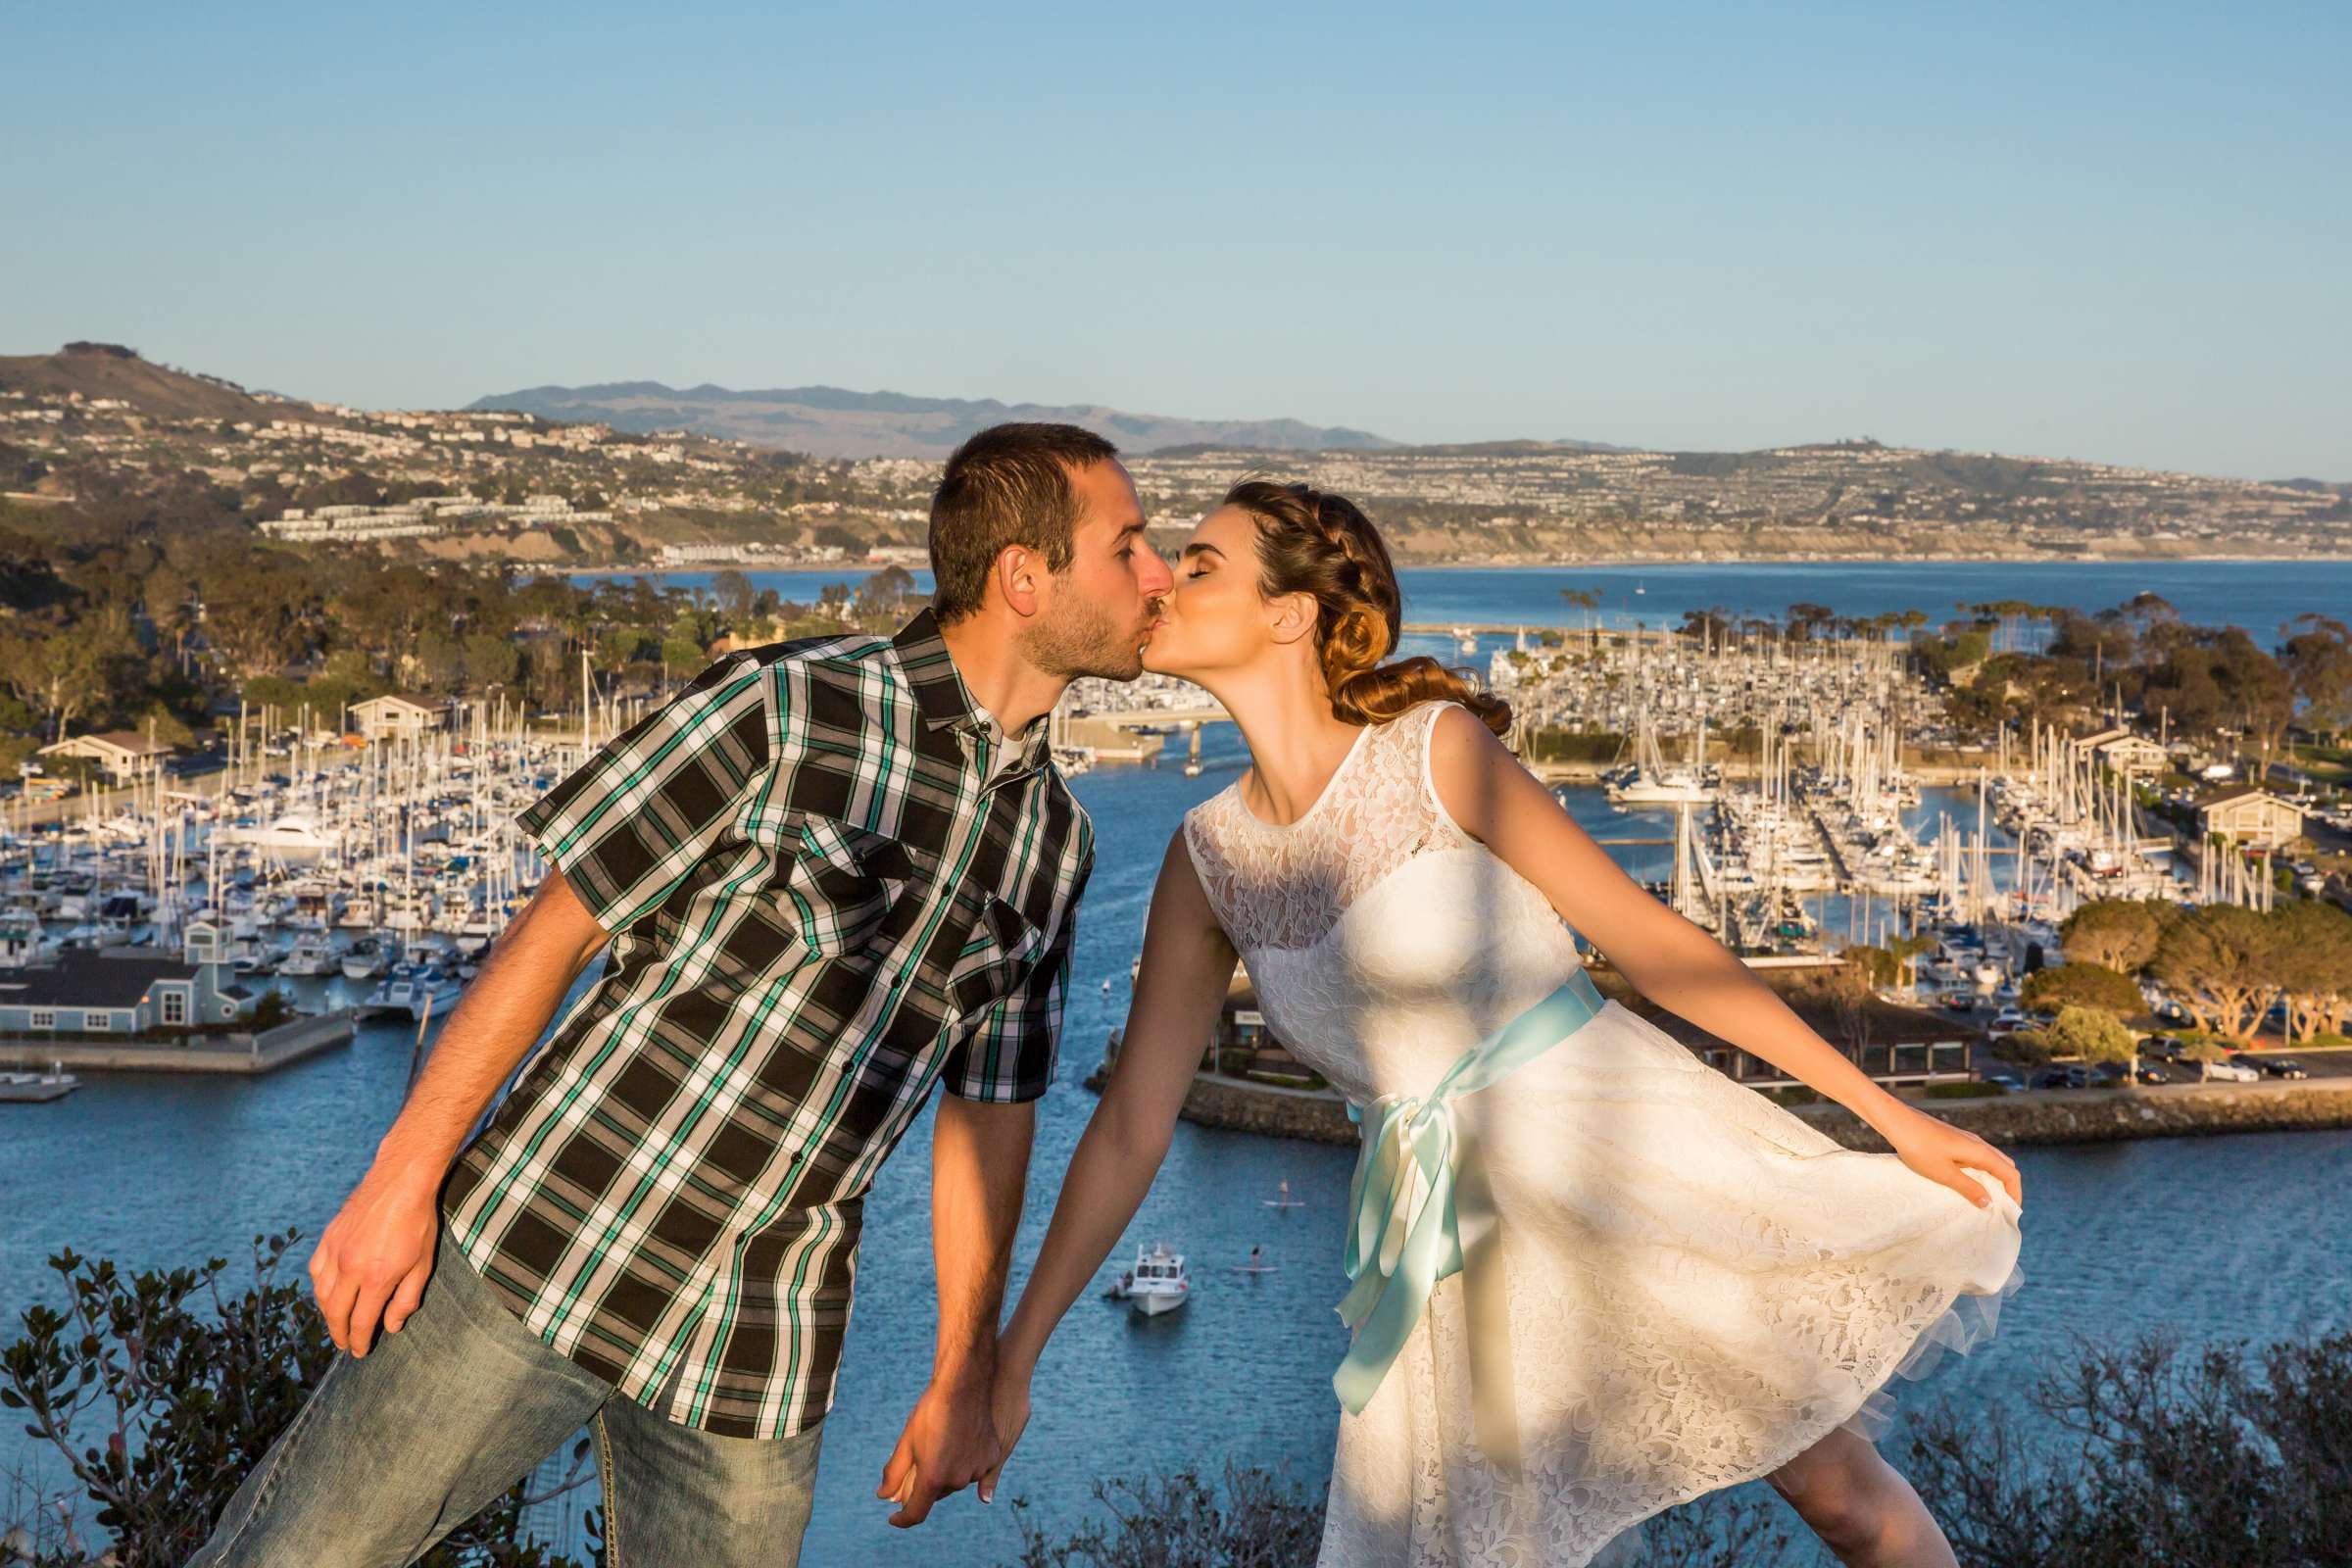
point(2117, 232)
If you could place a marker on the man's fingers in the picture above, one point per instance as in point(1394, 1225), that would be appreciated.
point(368, 1306)
point(917, 1506)
point(404, 1300)
point(334, 1305)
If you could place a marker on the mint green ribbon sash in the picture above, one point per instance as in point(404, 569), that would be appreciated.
point(1408, 1226)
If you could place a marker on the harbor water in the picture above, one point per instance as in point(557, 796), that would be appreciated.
point(2221, 1238)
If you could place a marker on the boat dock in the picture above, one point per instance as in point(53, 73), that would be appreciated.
point(240, 1055)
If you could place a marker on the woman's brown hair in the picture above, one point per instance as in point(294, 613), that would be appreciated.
point(1312, 542)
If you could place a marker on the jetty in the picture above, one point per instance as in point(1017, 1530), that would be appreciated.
point(237, 1053)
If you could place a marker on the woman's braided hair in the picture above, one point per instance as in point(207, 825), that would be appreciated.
point(1310, 541)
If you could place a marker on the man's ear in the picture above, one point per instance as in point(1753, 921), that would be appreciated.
point(1293, 616)
point(1020, 574)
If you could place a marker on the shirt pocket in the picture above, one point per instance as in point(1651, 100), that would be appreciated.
point(843, 881)
point(999, 950)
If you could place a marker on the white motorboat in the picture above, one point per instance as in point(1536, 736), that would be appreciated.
point(33, 1088)
point(313, 954)
point(408, 990)
point(364, 960)
point(295, 830)
point(1160, 1283)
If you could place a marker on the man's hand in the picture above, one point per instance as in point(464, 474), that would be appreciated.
point(374, 1257)
point(949, 1442)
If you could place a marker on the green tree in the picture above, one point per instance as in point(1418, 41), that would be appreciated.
point(2315, 941)
point(2091, 1033)
point(2120, 934)
point(60, 672)
point(733, 591)
point(490, 661)
point(2223, 963)
point(2086, 985)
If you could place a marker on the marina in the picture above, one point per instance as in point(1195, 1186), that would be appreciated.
point(360, 883)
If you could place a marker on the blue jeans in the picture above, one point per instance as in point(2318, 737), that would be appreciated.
point(396, 1448)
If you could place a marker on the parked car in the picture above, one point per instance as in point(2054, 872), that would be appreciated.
point(2235, 1072)
point(2152, 1075)
point(2169, 1047)
point(2284, 1067)
point(2008, 1083)
point(2107, 1074)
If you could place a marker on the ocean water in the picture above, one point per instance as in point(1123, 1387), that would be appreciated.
point(2221, 1237)
point(2258, 596)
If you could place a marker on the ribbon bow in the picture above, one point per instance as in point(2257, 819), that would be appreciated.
point(1414, 1219)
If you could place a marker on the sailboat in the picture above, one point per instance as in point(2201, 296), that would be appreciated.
point(1653, 781)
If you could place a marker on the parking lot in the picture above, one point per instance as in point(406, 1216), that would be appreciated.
point(2316, 1064)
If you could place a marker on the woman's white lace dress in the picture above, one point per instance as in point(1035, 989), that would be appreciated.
point(1700, 1285)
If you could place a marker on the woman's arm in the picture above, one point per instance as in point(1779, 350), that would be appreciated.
point(1669, 960)
point(1187, 967)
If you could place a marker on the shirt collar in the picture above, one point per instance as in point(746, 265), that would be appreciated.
point(946, 702)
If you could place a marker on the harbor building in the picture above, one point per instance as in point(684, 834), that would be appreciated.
point(124, 754)
point(2251, 816)
point(398, 714)
point(124, 991)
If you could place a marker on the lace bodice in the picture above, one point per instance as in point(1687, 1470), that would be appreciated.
point(1381, 937)
point(1287, 886)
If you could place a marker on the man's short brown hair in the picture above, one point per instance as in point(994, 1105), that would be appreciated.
point(1008, 485)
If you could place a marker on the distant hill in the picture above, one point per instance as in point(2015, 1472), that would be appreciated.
point(110, 370)
point(831, 423)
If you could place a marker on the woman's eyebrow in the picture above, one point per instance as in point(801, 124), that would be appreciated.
point(1191, 550)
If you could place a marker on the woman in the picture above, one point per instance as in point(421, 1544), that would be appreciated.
point(1592, 1277)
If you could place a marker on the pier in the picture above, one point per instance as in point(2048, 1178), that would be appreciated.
point(238, 1054)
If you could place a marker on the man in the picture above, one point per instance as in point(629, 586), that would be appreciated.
point(832, 872)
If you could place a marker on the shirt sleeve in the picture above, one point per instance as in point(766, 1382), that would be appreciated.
point(1009, 1055)
point(627, 825)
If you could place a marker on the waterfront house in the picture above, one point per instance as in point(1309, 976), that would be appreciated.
point(2128, 754)
point(2250, 816)
point(124, 754)
point(120, 991)
point(397, 713)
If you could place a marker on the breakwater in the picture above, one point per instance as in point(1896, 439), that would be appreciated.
point(239, 1054)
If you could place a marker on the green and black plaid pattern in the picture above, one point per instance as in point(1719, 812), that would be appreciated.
point(832, 881)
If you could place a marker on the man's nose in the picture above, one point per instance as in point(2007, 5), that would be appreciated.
point(1158, 578)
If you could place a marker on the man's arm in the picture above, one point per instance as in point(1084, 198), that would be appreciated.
point(979, 1171)
point(376, 1253)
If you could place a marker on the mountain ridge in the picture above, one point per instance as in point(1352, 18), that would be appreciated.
point(830, 421)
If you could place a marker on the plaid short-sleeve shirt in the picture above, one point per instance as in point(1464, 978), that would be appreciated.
point(832, 880)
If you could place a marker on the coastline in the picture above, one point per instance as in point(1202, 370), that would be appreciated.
point(2032, 1117)
point(1514, 563)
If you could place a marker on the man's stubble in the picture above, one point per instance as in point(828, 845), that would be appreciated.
point(1078, 637)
